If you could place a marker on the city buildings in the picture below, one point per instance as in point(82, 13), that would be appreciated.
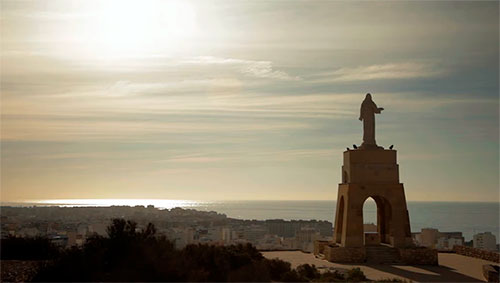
point(67, 226)
point(433, 238)
point(485, 241)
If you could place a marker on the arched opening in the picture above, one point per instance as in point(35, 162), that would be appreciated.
point(370, 215)
point(377, 218)
point(340, 221)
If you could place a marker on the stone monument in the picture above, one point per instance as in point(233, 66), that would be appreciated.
point(372, 171)
point(367, 115)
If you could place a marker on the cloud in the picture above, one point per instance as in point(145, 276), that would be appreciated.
point(154, 75)
point(424, 156)
point(406, 70)
point(257, 69)
point(48, 15)
point(144, 118)
point(131, 130)
point(121, 88)
point(252, 155)
point(264, 69)
point(197, 158)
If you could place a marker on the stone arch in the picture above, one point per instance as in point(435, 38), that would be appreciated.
point(384, 217)
point(340, 220)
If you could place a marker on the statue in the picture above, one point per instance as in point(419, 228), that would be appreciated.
point(367, 115)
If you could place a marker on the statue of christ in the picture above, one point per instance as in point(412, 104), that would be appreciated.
point(367, 115)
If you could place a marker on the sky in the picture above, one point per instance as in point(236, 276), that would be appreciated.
point(245, 100)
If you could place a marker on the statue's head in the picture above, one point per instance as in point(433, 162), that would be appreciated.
point(368, 96)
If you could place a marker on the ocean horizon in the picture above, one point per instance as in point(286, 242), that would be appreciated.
point(466, 217)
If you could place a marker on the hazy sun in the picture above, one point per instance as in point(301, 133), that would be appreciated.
point(132, 27)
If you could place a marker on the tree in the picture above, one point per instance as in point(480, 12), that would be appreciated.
point(355, 275)
point(130, 254)
point(277, 268)
point(307, 271)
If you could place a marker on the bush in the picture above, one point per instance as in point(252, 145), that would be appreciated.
point(277, 268)
point(331, 277)
point(28, 248)
point(355, 275)
point(392, 280)
point(308, 271)
point(292, 276)
point(222, 263)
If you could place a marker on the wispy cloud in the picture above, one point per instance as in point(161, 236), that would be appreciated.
point(405, 70)
point(258, 69)
point(251, 155)
point(47, 15)
point(134, 130)
point(222, 85)
point(135, 118)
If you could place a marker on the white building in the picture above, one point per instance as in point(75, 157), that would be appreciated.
point(289, 243)
point(428, 237)
point(254, 233)
point(214, 234)
point(29, 232)
point(226, 235)
point(485, 241)
point(269, 242)
point(445, 243)
point(181, 236)
point(305, 238)
point(455, 242)
point(433, 238)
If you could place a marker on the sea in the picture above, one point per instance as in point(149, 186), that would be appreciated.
point(466, 217)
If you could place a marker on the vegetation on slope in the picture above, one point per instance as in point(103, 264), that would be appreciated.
point(130, 254)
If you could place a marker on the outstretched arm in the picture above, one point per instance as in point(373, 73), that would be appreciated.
point(376, 109)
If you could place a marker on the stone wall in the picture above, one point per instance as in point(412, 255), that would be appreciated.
point(477, 253)
point(419, 256)
point(339, 254)
point(319, 246)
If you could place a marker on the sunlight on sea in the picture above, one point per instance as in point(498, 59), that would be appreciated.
point(159, 203)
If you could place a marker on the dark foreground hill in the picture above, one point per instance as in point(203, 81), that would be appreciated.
point(129, 254)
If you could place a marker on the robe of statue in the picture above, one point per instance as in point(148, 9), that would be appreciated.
point(367, 115)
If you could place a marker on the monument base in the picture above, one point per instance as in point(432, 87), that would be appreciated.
point(336, 253)
point(419, 256)
point(381, 254)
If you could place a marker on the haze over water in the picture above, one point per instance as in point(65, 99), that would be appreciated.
point(467, 217)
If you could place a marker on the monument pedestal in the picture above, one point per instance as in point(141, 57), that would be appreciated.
point(373, 173)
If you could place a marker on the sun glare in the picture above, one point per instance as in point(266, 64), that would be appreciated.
point(130, 27)
point(159, 203)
